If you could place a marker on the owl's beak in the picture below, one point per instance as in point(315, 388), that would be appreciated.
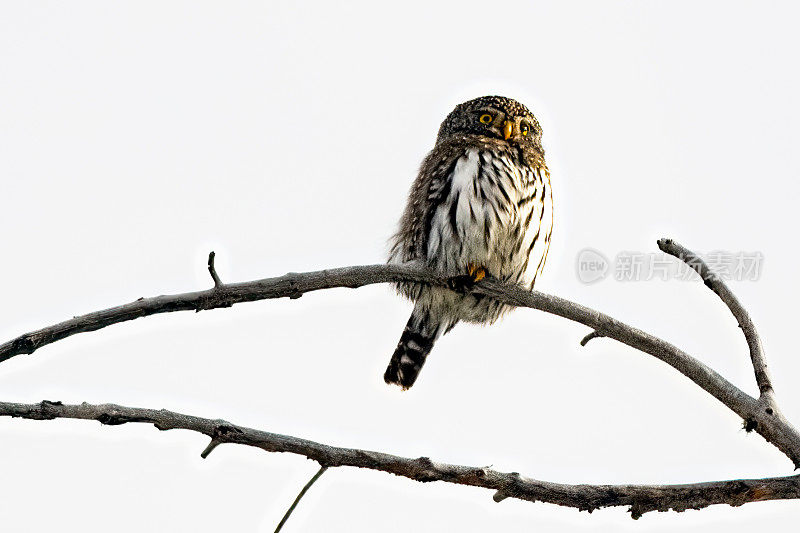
point(508, 129)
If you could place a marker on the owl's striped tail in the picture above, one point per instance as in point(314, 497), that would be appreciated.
point(415, 344)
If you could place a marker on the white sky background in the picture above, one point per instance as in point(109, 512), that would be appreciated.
point(137, 136)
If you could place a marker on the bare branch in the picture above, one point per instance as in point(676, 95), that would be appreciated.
point(759, 415)
point(593, 335)
point(302, 493)
point(213, 270)
point(764, 419)
point(213, 443)
point(639, 498)
point(715, 283)
point(224, 295)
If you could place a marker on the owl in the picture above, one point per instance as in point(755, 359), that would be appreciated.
point(480, 206)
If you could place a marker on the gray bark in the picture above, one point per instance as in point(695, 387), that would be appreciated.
point(759, 414)
point(639, 498)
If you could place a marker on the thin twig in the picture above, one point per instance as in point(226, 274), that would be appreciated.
point(715, 283)
point(764, 419)
point(213, 270)
point(212, 445)
point(593, 335)
point(639, 498)
point(302, 493)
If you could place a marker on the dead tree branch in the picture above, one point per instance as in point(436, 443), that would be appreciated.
point(639, 498)
point(291, 285)
point(759, 414)
point(300, 495)
point(715, 283)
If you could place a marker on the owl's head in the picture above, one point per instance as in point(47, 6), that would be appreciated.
point(493, 117)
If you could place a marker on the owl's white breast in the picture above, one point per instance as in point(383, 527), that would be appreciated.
point(482, 219)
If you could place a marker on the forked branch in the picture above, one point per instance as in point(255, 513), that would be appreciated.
point(759, 414)
point(715, 283)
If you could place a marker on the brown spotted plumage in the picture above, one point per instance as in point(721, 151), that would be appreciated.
point(481, 205)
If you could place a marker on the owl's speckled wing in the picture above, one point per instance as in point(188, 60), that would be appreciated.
point(429, 190)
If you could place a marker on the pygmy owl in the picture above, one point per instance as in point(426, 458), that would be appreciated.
point(481, 205)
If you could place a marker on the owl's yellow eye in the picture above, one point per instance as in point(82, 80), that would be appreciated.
point(524, 129)
point(486, 118)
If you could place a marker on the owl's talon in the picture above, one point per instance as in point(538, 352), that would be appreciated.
point(465, 282)
point(476, 272)
point(462, 284)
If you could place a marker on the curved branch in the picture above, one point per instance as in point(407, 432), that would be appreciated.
point(764, 419)
point(715, 283)
point(639, 498)
point(291, 285)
